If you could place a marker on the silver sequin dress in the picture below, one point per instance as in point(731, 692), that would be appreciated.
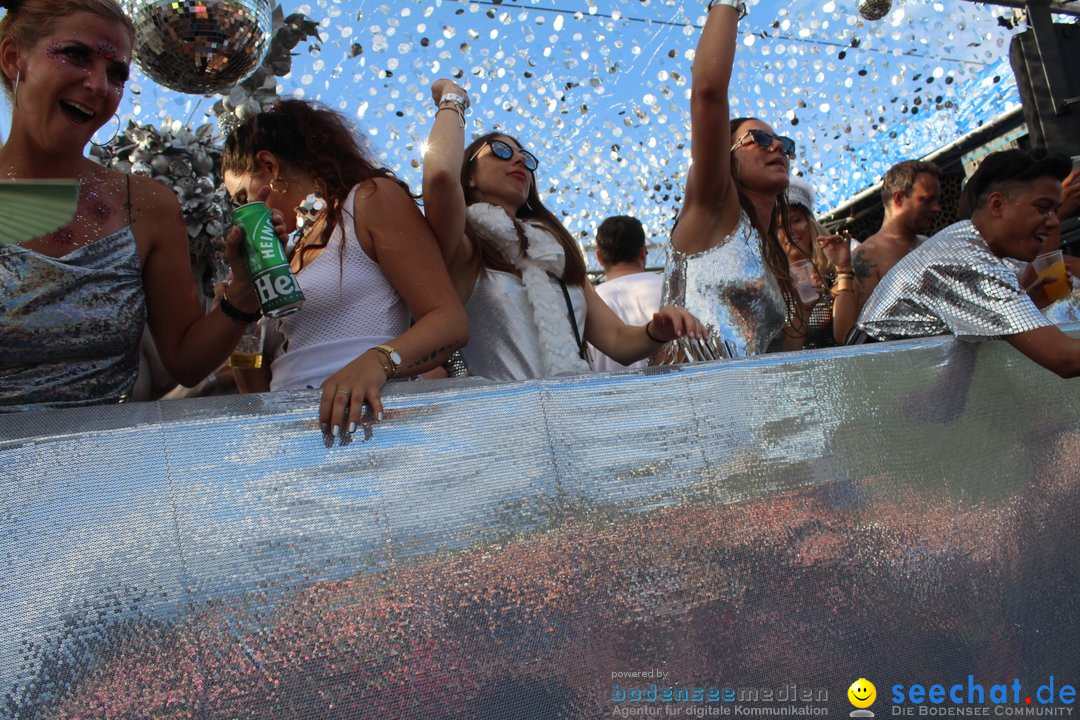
point(952, 284)
point(70, 326)
point(730, 290)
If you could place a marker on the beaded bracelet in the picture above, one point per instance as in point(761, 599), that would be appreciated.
point(457, 109)
point(740, 7)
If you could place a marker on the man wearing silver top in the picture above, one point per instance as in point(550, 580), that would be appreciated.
point(958, 283)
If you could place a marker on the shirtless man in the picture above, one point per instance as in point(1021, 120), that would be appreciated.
point(959, 282)
point(911, 191)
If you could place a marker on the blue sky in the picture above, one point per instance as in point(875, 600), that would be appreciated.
point(598, 89)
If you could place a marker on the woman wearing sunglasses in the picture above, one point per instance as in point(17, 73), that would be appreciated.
point(531, 308)
point(726, 264)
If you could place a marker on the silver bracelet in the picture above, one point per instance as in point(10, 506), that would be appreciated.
point(453, 97)
point(739, 6)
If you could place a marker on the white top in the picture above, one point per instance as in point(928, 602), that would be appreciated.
point(349, 308)
point(634, 298)
point(504, 343)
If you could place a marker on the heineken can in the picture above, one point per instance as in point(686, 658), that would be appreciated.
point(279, 294)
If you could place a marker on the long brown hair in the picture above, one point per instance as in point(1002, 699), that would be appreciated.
point(27, 21)
point(316, 141)
point(533, 210)
point(772, 252)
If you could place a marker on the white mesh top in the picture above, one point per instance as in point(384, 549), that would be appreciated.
point(349, 308)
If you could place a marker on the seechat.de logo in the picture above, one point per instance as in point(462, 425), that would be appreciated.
point(862, 695)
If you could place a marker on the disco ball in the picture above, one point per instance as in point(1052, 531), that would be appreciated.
point(200, 46)
point(874, 9)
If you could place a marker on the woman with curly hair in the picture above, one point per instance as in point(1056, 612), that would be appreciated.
point(379, 304)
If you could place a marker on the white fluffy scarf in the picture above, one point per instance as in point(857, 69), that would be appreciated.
point(543, 254)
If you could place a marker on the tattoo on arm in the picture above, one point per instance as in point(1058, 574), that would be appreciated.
point(860, 267)
point(429, 357)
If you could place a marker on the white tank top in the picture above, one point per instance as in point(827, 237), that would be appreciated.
point(349, 308)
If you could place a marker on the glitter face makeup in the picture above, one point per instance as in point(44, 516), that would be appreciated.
point(80, 55)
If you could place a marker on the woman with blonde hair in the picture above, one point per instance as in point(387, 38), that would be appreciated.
point(833, 314)
point(75, 300)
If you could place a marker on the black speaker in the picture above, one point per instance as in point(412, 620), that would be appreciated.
point(1047, 68)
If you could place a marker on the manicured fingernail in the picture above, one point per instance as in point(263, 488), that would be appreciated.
point(337, 431)
point(352, 428)
point(325, 427)
point(379, 416)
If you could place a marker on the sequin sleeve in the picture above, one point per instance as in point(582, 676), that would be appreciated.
point(981, 300)
point(950, 284)
point(966, 300)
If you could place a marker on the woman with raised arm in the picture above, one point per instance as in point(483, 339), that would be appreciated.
point(830, 318)
point(726, 263)
point(531, 308)
point(75, 300)
point(378, 302)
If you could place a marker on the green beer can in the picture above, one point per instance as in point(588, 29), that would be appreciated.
point(279, 294)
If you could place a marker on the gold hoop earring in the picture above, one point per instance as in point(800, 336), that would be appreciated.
point(282, 190)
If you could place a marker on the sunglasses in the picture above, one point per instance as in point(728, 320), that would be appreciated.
point(765, 141)
point(505, 152)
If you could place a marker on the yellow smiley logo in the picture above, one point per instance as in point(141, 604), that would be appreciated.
point(862, 693)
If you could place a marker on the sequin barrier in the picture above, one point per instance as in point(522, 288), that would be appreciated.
point(730, 290)
point(951, 284)
point(894, 511)
point(70, 326)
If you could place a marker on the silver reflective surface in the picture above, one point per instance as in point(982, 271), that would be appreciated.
point(200, 46)
point(903, 512)
point(951, 284)
point(730, 290)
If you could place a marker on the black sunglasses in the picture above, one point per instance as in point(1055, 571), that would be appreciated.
point(764, 141)
point(505, 152)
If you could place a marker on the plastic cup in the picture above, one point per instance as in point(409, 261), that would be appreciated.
point(1052, 265)
point(802, 277)
point(248, 353)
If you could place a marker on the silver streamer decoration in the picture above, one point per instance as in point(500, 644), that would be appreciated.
point(189, 163)
point(599, 90)
point(200, 46)
point(260, 91)
point(874, 9)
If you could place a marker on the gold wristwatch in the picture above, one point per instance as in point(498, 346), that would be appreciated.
point(393, 358)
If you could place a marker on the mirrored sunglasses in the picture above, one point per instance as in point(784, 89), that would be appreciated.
point(764, 141)
point(506, 152)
